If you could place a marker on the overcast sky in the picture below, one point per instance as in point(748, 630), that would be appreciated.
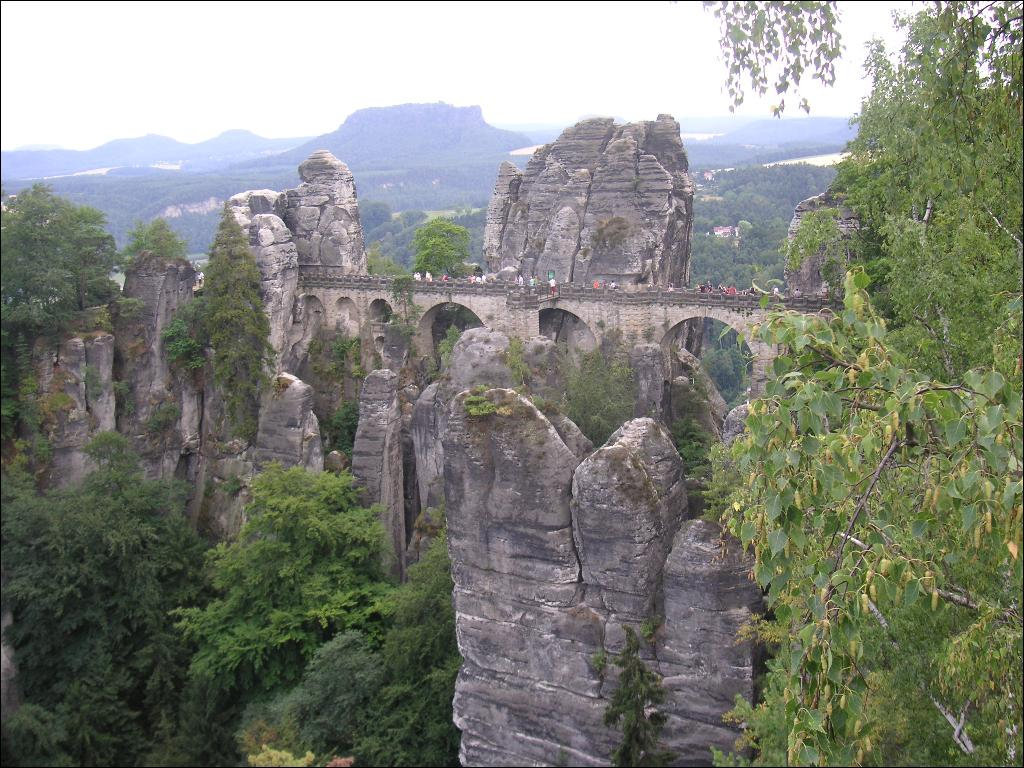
point(79, 74)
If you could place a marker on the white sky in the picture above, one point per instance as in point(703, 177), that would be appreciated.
point(80, 74)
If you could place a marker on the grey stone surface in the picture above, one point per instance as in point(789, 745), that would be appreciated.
point(336, 462)
point(150, 382)
point(273, 247)
point(735, 423)
point(75, 384)
point(377, 456)
point(426, 431)
point(629, 498)
point(650, 369)
point(602, 202)
point(810, 278)
point(323, 214)
point(707, 598)
point(477, 358)
point(289, 432)
point(551, 558)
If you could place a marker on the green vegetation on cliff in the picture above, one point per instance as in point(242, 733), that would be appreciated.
point(236, 324)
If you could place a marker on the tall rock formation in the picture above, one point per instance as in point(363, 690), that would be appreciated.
point(159, 408)
point(553, 557)
point(315, 223)
point(323, 215)
point(289, 432)
point(273, 247)
point(75, 399)
point(603, 202)
point(812, 276)
point(377, 461)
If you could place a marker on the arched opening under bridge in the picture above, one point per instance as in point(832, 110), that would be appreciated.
point(380, 311)
point(563, 327)
point(346, 317)
point(724, 356)
point(445, 321)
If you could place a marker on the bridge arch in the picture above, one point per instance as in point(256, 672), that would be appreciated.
point(308, 317)
point(565, 327)
point(346, 317)
point(438, 318)
point(380, 311)
point(759, 354)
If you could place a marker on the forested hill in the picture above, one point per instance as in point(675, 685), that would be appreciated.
point(407, 136)
point(411, 157)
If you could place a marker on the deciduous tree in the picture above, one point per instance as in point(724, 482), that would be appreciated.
point(441, 247)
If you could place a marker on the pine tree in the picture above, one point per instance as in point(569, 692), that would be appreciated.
point(633, 702)
point(236, 324)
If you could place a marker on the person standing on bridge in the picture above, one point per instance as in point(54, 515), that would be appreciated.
point(553, 285)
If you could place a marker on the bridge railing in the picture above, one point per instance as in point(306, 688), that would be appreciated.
point(330, 277)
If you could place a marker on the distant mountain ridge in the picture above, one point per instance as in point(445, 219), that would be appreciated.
point(145, 151)
point(775, 131)
point(407, 136)
point(411, 156)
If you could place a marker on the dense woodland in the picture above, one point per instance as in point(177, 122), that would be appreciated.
point(878, 487)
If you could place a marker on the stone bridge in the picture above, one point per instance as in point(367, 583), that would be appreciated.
point(360, 305)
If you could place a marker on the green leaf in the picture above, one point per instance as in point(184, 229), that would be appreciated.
point(777, 540)
point(911, 591)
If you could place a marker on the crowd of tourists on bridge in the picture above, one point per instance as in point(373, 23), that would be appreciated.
point(731, 290)
point(553, 285)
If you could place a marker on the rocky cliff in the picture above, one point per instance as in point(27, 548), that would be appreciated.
point(323, 215)
point(557, 547)
point(553, 557)
point(603, 202)
point(159, 407)
point(74, 400)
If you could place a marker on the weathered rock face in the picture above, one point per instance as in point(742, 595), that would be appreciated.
point(273, 246)
point(707, 598)
point(652, 392)
point(551, 558)
point(289, 432)
point(507, 481)
point(377, 455)
point(811, 278)
point(735, 423)
point(694, 394)
point(603, 202)
point(336, 462)
point(76, 400)
point(478, 358)
point(161, 408)
point(426, 432)
point(323, 215)
point(629, 498)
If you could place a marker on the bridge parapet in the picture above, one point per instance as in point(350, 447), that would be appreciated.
point(653, 313)
point(328, 277)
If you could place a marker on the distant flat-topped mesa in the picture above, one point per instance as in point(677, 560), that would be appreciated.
point(603, 202)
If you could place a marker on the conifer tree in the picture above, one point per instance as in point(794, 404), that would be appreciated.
point(236, 324)
point(633, 702)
